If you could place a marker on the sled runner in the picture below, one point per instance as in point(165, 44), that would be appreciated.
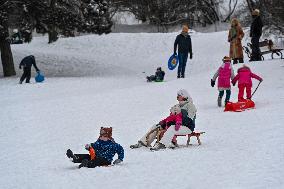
point(160, 133)
point(173, 62)
point(239, 106)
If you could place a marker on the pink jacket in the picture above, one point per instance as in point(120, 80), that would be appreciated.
point(224, 74)
point(244, 77)
point(172, 117)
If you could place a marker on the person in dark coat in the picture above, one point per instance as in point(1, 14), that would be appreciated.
point(255, 34)
point(183, 41)
point(158, 77)
point(27, 63)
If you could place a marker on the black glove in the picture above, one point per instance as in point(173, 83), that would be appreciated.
point(117, 161)
point(212, 83)
point(175, 53)
point(233, 84)
point(190, 56)
point(20, 67)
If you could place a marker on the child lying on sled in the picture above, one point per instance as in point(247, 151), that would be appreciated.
point(101, 152)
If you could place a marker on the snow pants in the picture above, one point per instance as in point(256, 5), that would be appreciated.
point(182, 57)
point(98, 161)
point(151, 78)
point(171, 132)
point(228, 95)
point(26, 75)
point(242, 88)
point(152, 136)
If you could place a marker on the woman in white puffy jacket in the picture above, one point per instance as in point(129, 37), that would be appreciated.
point(188, 111)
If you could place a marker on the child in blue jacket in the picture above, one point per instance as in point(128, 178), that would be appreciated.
point(101, 152)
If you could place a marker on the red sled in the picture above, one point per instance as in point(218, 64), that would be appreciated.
point(239, 106)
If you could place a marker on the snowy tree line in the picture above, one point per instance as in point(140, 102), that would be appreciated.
point(68, 17)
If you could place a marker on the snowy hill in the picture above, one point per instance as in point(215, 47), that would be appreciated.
point(95, 81)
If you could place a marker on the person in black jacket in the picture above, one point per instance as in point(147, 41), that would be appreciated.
point(27, 63)
point(255, 34)
point(183, 41)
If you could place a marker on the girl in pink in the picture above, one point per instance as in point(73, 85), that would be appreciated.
point(244, 81)
point(224, 74)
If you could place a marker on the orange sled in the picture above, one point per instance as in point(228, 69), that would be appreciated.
point(239, 106)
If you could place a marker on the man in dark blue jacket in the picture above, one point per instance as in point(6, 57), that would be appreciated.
point(183, 41)
point(255, 34)
point(27, 63)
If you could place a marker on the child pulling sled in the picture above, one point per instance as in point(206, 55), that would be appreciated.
point(101, 152)
point(244, 82)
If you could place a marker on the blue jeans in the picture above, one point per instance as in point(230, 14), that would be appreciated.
point(182, 58)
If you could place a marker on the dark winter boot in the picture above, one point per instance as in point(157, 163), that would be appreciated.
point(84, 163)
point(241, 60)
point(219, 101)
point(69, 154)
point(235, 61)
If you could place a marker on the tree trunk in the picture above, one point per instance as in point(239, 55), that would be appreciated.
point(7, 58)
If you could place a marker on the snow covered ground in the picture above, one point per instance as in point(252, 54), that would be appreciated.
point(94, 81)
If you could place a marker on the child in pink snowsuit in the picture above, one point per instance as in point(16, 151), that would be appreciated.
point(224, 74)
point(175, 118)
point(244, 81)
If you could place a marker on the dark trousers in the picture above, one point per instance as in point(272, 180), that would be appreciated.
point(98, 161)
point(26, 75)
point(151, 78)
point(255, 54)
point(182, 58)
point(228, 95)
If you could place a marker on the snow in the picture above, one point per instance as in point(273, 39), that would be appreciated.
point(94, 81)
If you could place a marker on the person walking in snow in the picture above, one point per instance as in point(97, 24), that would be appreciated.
point(235, 37)
point(224, 74)
point(101, 152)
point(184, 126)
point(244, 81)
point(27, 63)
point(158, 77)
point(255, 34)
point(183, 41)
